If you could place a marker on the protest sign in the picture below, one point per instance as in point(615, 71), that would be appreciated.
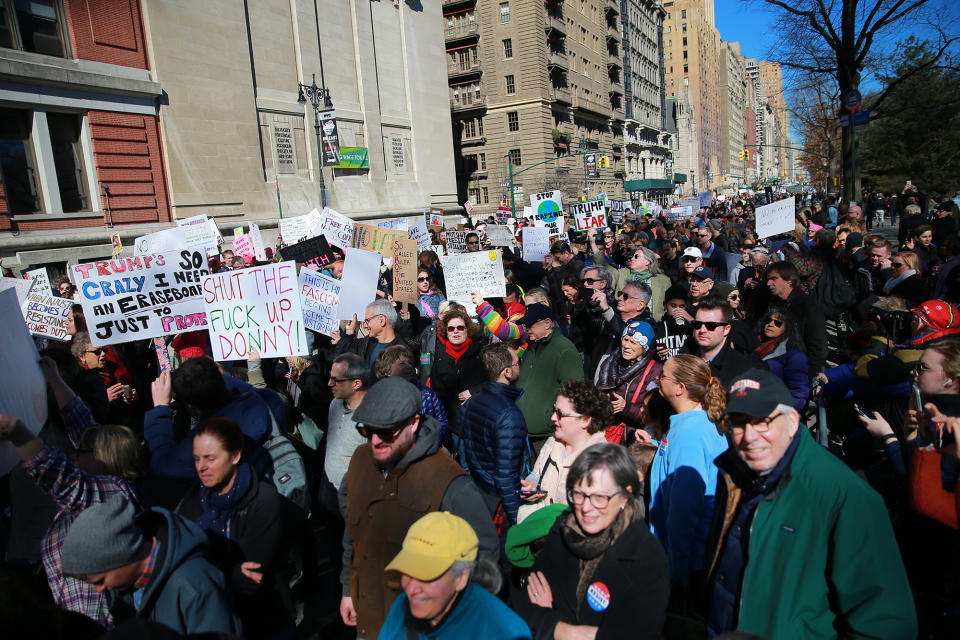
point(405, 271)
point(617, 207)
point(778, 217)
point(705, 198)
point(197, 233)
point(243, 247)
point(589, 215)
point(256, 308)
point(546, 205)
point(163, 356)
point(46, 315)
point(361, 270)
point(436, 217)
point(437, 249)
point(529, 212)
point(319, 298)
point(21, 285)
point(256, 239)
point(315, 251)
point(294, 230)
point(468, 206)
point(693, 202)
point(678, 213)
point(536, 243)
point(480, 271)
point(116, 243)
point(238, 231)
point(142, 297)
point(499, 235)
point(456, 241)
point(217, 238)
point(41, 281)
point(23, 391)
point(400, 224)
point(379, 239)
point(172, 239)
point(419, 233)
point(554, 227)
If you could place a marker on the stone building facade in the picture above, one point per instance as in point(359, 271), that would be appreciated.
point(733, 112)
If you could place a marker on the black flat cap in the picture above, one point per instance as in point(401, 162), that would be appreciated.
point(388, 403)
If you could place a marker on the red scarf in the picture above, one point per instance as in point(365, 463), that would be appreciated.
point(766, 347)
point(455, 351)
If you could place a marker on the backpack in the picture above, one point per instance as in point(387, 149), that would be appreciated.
point(833, 291)
point(278, 462)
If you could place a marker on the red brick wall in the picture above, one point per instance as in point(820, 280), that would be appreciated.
point(107, 31)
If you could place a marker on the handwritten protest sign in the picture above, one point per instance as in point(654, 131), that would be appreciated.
point(405, 271)
point(293, 230)
point(46, 315)
point(693, 202)
point(705, 197)
point(400, 224)
point(499, 235)
point(41, 281)
point(480, 271)
point(680, 213)
point(23, 392)
point(256, 308)
point(142, 297)
point(198, 234)
point(379, 239)
point(778, 217)
point(163, 356)
point(256, 239)
point(437, 249)
point(172, 239)
point(617, 207)
point(536, 243)
point(589, 215)
point(361, 270)
point(21, 285)
point(419, 233)
point(315, 251)
point(337, 228)
point(436, 217)
point(319, 298)
point(243, 246)
point(554, 227)
point(456, 241)
point(546, 205)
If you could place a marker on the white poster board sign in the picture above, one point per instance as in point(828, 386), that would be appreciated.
point(589, 215)
point(499, 235)
point(361, 271)
point(693, 202)
point(256, 238)
point(418, 231)
point(21, 286)
point(41, 281)
point(256, 308)
point(400, 224)
point(320, 299)
point(546, 205)
point(778, 217)
point(46, 315)
point(536, 243)
point(336, 227)
point(141, 297)
point(23, 391)
point(294, 230)
point(197, 233)
point(480, 271)
point(172, 239)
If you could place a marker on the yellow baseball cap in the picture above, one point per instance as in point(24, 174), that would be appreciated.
point(432, 544)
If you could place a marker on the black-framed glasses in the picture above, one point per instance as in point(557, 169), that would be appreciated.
point(386, 435)
point(598, 500)
point(690, 259)
point(710, 326)
point(590, 280)
point(339, 380)
point(760, 425)
point(98, 350)
point(623, 296)
point(773, 321)
point(425, 279)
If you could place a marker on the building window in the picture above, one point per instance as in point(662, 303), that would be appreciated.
point(683, 14)
point(684, 41)
point(470, 129)
point(686, 68)
point(486, 195)
point(36, 26)
point(480, 126)
point(17, 164)
point(483, 162)
point(470, 163)
point(515, 157)
point(474, 195)
point(513, 121)
point(684, 25)
point(68, 160)
point(511, 87)
point(507, 49)
point(504, 12)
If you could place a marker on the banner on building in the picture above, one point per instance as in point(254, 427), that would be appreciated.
point(354, 158)
point(329, 138)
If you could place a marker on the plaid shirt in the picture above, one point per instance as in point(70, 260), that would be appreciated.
point(73, 490)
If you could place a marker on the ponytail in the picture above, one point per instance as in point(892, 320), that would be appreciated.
point(714, 401)
point(701, 385)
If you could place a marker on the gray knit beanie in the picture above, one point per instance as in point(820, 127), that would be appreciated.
point(102, 538)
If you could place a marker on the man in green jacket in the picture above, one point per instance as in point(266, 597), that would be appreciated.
point(800, 546)
point(550, 360)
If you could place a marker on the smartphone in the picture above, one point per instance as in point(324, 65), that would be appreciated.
point(917, 401)
point(860, 411)
point(525, 492)
point(127, 393)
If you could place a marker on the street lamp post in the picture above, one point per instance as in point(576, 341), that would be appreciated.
point(318, 96)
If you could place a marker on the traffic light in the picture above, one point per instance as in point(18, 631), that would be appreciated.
point(746, 155)
point(740, 155)
point(604, 162)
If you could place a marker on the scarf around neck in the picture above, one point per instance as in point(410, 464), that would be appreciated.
point(639, 276)
point(766, 347)
point(217, 509)
point(455, 351)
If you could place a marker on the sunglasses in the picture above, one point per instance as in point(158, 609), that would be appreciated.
point(459, 327)
point(897, 264)
point(590, 280)
point(690, 259)
point(711, 326)
point(423, 279)
point(733, 296)
point(473, 242)
point(98, 350)
point(624, 296)
point(386, 435)
point(776, 323)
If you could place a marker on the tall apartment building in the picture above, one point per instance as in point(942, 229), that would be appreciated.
point(733, 115)
point(181, 108)
point(682, 123)
point(645, 136)
point(771, 78)
point(692, 62)
point(532, 82)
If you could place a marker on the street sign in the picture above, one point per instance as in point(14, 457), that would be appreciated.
point(859, 118)
point(852, 100)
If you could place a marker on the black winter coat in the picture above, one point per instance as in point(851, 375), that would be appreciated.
point(448, 377)
point(631, 587)
point(813, 329)
point(495, 443)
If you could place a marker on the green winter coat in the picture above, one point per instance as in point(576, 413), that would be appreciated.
point(546, 364)
point(823, 560)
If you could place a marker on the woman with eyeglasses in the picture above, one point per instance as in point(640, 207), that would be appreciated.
point(581, 415)
point(906, 283)
point(429, 299)
point(683, 476)
point(782, 349)
point(456, 367)
point(120, 393)
point(628, 374)
point(600, 574)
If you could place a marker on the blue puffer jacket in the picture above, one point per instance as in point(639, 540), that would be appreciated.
point(790, 365)
point(495, 443)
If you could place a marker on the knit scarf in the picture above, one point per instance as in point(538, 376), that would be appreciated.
point(639, 276)
point(217, 509)
point(613, 372)
point(590, 549)
point(766, 347)
point(455, 351)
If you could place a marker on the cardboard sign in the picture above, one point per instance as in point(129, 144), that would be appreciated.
point(294, 230)
point(400, 224)
point(256, 308)
point(405, 267)
point(589, 215)
point(436, 217)
point(379, 239)
point(142, 297)
point(21, 286)
point(536, 243)
point(361, 272)
point(547, 205)
point(419, 233)
point(315, 251)
point(456, 241)
point(46, 315)
point(23, 391)
point(480, 271)
point(163, 356)
point(778, 217)
point(337, 228)
point(320, 299)
point(172, 239)
point(244, 247)
point(198, 234)
point(256, 239)
point(693, 202)
point(41, 281)
point(499, 235)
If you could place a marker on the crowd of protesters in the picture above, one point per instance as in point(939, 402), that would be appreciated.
point(667, 428)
